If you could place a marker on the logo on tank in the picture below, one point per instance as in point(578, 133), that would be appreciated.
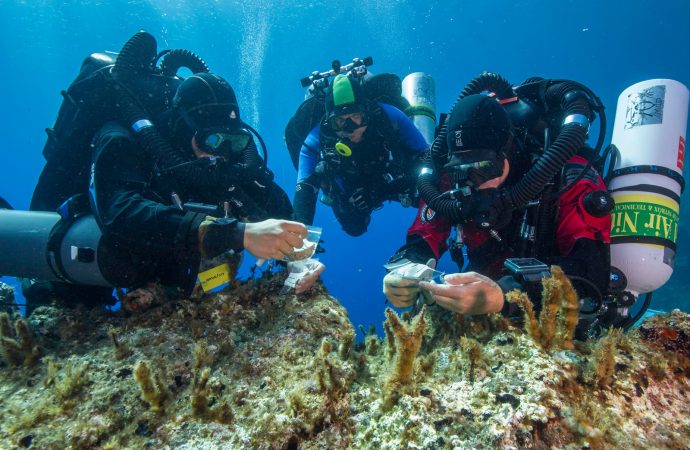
point(645, 107)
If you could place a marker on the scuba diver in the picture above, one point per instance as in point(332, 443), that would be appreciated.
point(362, 152)
point(150, 174)
point(511, 174)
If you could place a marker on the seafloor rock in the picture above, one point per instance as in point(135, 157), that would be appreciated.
point(249, 368)
point(6, 294)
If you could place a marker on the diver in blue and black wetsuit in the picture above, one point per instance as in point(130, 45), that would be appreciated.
point(361, 154)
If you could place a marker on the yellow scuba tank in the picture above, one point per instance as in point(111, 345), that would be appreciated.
point(649, 131)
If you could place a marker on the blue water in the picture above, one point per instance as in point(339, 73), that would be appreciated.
point(263, 48)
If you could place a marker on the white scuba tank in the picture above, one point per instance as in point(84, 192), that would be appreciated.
point(649, 131)
point(419, 89)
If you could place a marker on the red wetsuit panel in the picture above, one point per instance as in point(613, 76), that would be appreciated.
point(574, 222)
point(432, 227)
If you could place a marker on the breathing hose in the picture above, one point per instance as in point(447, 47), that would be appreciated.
point(175, 59)
point(427, 183)
point(563, 95)
point(645, 306)
point(251, 154)
point(137, 58)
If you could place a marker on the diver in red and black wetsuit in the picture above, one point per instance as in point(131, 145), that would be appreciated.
point(494, 177)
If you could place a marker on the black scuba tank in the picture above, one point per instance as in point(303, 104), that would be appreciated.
point(94, 98)
point(87, 104)
point(307, 116)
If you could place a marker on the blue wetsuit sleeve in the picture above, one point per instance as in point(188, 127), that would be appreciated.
point(307, 189)
point(309, 155)
point(409, 134)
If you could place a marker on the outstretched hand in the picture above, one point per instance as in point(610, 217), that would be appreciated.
point(399, 291)
point(276, 239)
point(306, 282)
point(402, 292)
point(467, 293)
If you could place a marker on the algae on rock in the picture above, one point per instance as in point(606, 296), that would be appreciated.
point(269, 371)
point(558, 318)
point(406, 341)
point(17, 344)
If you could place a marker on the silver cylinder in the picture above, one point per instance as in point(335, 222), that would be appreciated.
point(24, 251)
point(419, 89)
point(79, 251)
point(23, 243)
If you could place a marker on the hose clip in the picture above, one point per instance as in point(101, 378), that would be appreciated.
point(577, 119)
point(141, 124)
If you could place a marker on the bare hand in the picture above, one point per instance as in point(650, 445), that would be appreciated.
point(275, 239)
point(467, 293)
point(305, 283)
point(399, 291)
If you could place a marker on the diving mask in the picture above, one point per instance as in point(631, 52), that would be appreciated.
point(348, 123)
point(468, 169)
point(228, 144)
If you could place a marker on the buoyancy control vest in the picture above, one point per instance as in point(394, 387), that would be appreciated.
point(383, 88)
point(136, 93)
point(108, 89)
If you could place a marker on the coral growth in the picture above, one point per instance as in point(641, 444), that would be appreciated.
point(407, 342)
point(602, 364)
point(372, 344)
point(201, 392)
point(17, 344)
point(121, 349)
point(72, 382)
point(263, 370)
point(473, 351)
point(153, 388)
point(560, 307)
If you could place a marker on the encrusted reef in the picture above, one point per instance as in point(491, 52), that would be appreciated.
point(250, 368)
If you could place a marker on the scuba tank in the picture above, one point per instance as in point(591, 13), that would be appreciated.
point(415, 96)
point(68, 245)
point(419, 90)
point(109, 86)
point(649, 132)
point(65, 246)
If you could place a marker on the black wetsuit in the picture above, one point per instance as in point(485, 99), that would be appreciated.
point(134, 207)
point(132, 201)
